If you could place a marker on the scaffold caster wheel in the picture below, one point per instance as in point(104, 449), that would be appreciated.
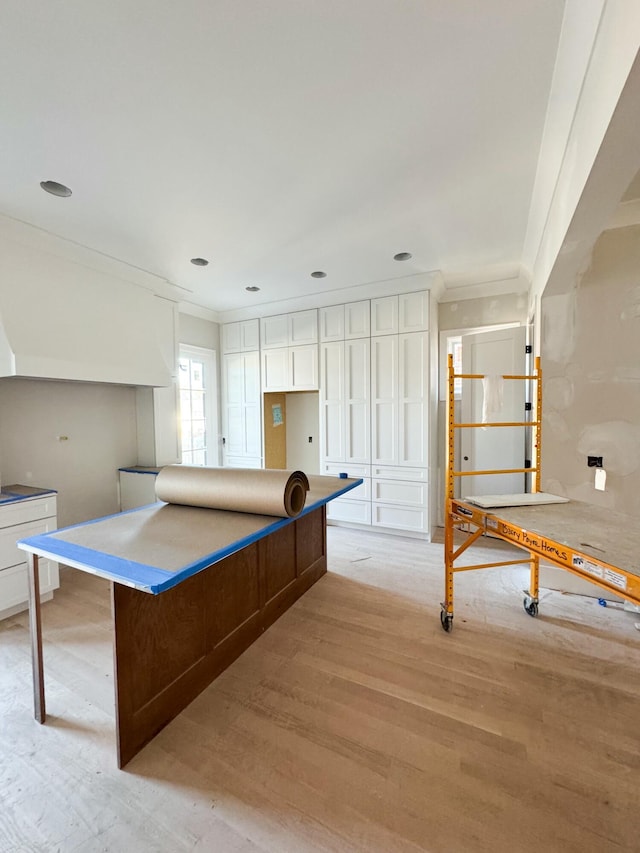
point(446, 620)
point(530, 607)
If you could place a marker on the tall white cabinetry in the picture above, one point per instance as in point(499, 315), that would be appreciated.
point(241, 410)
point(18, 520)
point(289, 346)
point(374, 409)
point(345, 409)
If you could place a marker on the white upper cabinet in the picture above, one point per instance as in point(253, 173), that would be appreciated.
point(332, 323)
point(345, 322)
point(357, 320)
point(274, 331)
point(303, 328)
point(384, 316)
point(283, 330)
point(408, 312)
point(413, 312)
point(243, 336)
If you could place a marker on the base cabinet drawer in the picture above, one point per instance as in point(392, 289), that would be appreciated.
point(20, 512)
point(355, 512)
point(10, 554)
point(14, 584)
point(399, 517)
point(395, 492)
point(20, 519)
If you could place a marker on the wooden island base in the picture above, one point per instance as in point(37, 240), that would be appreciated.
point(169, 647)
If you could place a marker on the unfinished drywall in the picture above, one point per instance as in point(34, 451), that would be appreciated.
point(591, 388)
point(483, 311)
point(68, 436)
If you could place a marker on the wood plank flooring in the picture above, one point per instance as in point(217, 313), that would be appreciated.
point(353, 724)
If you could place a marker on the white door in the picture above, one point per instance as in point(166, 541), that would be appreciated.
point(493, 354)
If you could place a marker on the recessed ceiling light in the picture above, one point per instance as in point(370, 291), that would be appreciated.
point(318, 274)
point(252, 288)
point(402, 256)
point(55, 188)
point(199, 262)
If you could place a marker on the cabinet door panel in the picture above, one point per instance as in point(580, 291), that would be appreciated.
point(332, 400)
point(303, 327)
point(304, 368)
point(357, 319)
point(384, 400)
point(249, 335)
point(231, 337)
point(274, 331)
point(332, 323)
point(275, 369)
point(413, 312)
point(384, 316)
point(413, 399)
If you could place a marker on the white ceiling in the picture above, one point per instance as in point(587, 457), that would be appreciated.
point(278, 137)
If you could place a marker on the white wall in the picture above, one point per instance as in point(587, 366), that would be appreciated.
point(100, 424)
point(303, 421)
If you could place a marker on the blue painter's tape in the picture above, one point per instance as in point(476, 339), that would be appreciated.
point(139, 575)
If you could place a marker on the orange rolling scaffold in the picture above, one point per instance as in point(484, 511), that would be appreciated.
point(554, 533)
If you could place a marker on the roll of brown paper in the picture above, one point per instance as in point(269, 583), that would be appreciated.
point(254, 490)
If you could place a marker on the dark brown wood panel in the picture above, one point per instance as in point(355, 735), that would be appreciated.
point(169, 647)
point(278, 554)
point(310, 541)
point(232, 594)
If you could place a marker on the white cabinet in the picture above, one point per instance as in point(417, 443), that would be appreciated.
point(18, 520)
point(137, 486)
point(392, 315)
point(384, 315)
point(357, 320)
point(332, 402)
point(290, 369)
point(242, 428)
point(344, 400)
point(355, 506)
point(399, 431)
point(331, 322)
point(413, 312)
point(343, 322)
point(290, 352)
point(374, 399)
point(399, 498)
point(283, 330)
point(243, 336)
point(399, 394)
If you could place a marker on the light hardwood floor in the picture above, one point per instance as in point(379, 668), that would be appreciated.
point(354, 724)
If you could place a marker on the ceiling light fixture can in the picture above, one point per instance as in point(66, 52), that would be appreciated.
point(318, 274)
point(199, 262)
point(54, 188)
point(402, 256)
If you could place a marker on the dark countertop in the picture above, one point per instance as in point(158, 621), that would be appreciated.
point(16, 492)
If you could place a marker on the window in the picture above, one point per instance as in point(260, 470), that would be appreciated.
point(198, 409)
